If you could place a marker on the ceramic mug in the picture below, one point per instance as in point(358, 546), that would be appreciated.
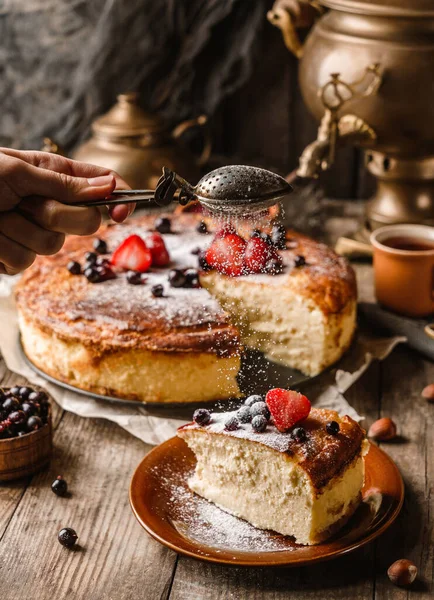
point(404, 268)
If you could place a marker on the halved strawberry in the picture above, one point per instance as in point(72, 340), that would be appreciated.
point(224, 231)
point(133, 254)
point(258, 255)
point(160, 255)
point(287, 408)
point(226, 255)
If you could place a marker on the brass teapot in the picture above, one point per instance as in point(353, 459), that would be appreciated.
point(137, 144)
point(367, 74)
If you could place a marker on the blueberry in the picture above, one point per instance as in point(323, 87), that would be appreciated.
point(59, 486)
point(90, 257)
point(100, 246)
point(18, 417)
point(196, 251)
point(11, 404)
point(203, 263)
point(91, 275)
point(253, 399)
point(202, 227)
point(101, 261)
point(299, 434)
point(34, 423)
point(259, 423)
point(299, 261)
point(278, 236)
point(202, 416)
point(135, 278)
point(74, 267)
point(163, 225)
point(157, 291)
point(15, 391)
point(244, 414)
point(104, 273)
point(67, 537)
point(260, 408)
point(191, 278)
point(177, 278)
point(39, 397)
point(256, 233)
point(232, 424)
point(332, 427)
point(29, 409)
point(267, 239)
point(274, 266)
point(24, 392)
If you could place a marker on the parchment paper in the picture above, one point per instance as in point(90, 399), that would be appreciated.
point(154, 426)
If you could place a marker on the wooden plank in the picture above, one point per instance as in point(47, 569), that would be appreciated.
point(404, 375)
point(116, 559)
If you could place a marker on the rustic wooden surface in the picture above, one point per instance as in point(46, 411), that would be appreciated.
point(117, 560)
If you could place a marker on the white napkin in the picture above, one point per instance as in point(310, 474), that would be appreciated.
point(325, 392)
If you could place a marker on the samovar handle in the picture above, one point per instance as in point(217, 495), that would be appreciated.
point(290, 15)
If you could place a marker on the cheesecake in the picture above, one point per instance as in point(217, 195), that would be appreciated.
point(143, 337)
point(304, 482)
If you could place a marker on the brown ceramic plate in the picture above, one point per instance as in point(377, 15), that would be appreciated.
point(182, 521)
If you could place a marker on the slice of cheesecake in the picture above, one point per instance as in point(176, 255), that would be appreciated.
point(304, 483)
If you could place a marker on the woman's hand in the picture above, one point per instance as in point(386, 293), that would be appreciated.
point(38, 191)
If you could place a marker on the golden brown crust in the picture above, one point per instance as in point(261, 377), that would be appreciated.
point(322, 456)
point(114, 315)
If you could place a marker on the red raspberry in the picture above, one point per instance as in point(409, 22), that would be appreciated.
point(226, 255)
point(160, 255)
point(258, 255)
point(287, 408)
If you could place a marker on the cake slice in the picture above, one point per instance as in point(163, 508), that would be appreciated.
point(303, 482)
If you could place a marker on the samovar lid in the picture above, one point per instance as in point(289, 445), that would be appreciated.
point(389, 8)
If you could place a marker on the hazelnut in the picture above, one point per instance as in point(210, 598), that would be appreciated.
point(428, 392)
point(382, 430)
point(402, 572)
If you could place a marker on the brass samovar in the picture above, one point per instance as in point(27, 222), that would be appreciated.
point(367, 74)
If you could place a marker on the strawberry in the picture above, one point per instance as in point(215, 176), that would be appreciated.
point(258, 255)
point(160, 255)
point(133, 254)
point(287, 408)
point(226, 255)
point(224, 231)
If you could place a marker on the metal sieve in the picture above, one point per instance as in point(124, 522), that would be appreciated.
point(233, 190)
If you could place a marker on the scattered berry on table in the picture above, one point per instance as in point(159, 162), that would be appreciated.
point(332, 427)
point(74, 267)
point(244, 414)
point(259, 423)
point(157, 291)
point(202, 416)
point(100, 246)
point(67, 537)
point(91, 275)
point(163, 225)
point(135, 278)
point(59, 486)
point(232, 424)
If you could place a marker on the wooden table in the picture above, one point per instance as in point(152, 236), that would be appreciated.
point(117, 560)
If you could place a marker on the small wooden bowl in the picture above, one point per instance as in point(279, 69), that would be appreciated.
point(25, 455)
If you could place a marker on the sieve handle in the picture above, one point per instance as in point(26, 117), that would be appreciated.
point(123, 197)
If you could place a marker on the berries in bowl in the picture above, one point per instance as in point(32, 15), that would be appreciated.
point(25, 431)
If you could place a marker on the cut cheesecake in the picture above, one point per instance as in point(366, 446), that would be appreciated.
point(306, 489)
point(117, 339)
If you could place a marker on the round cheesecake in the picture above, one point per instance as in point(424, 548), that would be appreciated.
point(118, 339)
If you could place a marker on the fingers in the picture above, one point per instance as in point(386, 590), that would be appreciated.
point(54, 216)
point(17, 228)
point(25, 180)
point(14, 257)
point(121, 212)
